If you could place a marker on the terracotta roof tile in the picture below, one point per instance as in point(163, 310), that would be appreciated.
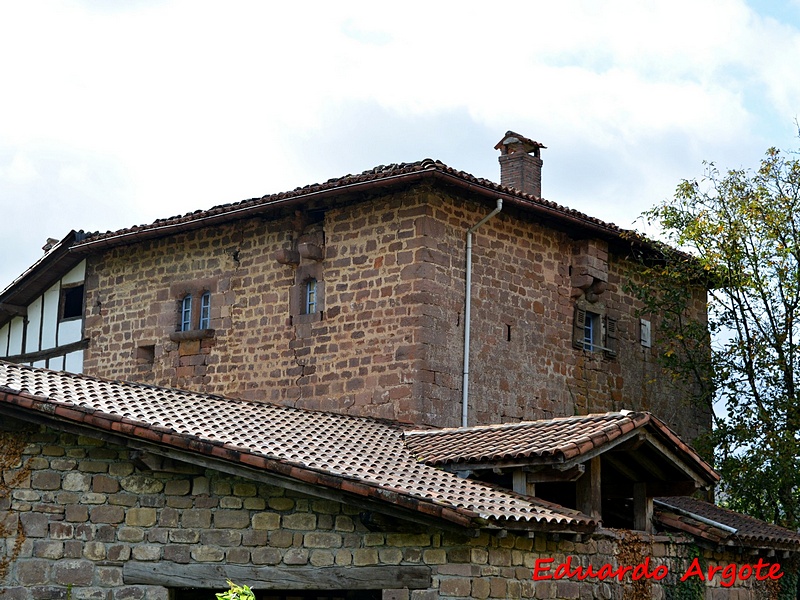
point(547, 441)
point(551, 439)
point(361, 455)
point(678, 512)
point(383, 175)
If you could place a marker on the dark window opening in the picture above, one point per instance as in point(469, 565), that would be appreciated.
point(72, 302)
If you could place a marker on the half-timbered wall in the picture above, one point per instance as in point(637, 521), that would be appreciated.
point(50, 333)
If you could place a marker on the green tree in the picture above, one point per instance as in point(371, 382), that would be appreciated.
point(740, 231)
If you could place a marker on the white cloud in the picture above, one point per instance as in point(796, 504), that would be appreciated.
point(153, 108)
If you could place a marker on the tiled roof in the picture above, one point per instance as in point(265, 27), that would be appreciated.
point(383, 175)
point(357, 455)
point(548, 441)
point(681, 512)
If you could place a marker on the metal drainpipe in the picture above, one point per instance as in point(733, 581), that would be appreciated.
point(467, 313)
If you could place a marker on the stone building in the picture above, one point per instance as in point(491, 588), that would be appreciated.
point(296, 380)
point(553, 331)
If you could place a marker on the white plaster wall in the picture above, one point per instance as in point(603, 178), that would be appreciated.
point(50, 317)
point(34, 325)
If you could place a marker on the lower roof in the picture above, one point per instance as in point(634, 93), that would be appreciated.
point(359, 456)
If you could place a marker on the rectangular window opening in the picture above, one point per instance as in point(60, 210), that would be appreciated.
point(205, 310)
point(72, 302)
point(311, 297)
point(186, 313)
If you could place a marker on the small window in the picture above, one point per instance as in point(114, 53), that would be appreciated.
point(594, 332)
point(72, 302)
point(205, 310)
point(310, 304)
point(186, 313)
point(591, 331)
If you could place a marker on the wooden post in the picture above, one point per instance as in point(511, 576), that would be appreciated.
point(520, 481)
point(589, 498)
point(642, 508)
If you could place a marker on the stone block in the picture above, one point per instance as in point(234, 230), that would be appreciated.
point(177, 554)
point(109, 577)
point(390, 556)
point(119, 552)
point(266, 520)
point(200, 518)
point(61, 531)
point(417, 540)
point(280, 503)
point(319, 539)
point(35, 525)
point(244, 489)
point(33, 571)
point(365, 556)
point(265, 556)
point(231, 519)
point(73, 572)
point(140, 517)
point(281, 538)
point(178, 487)
point(396, 594)
point(254, 538)
point(45, 480)
point(130, 534)
point(255, 503)
point(454, 587)
point(76, 513)
point(184, 536)
point(434, 556)
point(146, 552)
point(142, 484)
point(295, 556)
point(221, 537)
point(231, 502)
point(321, 558)
point(94, 551)
point(306, 521)
point(104, 484)
point(480, 588)
point(200, 486)
point(238, 555)
point(107, 514)
point(48, 549)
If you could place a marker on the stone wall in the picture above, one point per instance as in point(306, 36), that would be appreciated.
point(75, 511)
point(389, 341)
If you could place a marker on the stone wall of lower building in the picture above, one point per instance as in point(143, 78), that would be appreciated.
point(76, 511)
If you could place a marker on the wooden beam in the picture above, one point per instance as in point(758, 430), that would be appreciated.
point(13, 309)
point(642, 508)
point(588, 491)
point(678, 462)
point(548, 475)
point(520, 481)
point(175, 575)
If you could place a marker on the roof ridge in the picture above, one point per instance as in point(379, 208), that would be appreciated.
point(375, 174)
point(521, 424)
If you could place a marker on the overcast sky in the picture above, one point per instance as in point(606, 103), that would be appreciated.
point(118, 113)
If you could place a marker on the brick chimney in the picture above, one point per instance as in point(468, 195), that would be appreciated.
point(520, 163)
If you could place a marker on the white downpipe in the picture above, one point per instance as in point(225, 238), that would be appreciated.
point(467, 313)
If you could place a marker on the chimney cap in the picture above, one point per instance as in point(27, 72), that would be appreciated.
point(513, 143)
